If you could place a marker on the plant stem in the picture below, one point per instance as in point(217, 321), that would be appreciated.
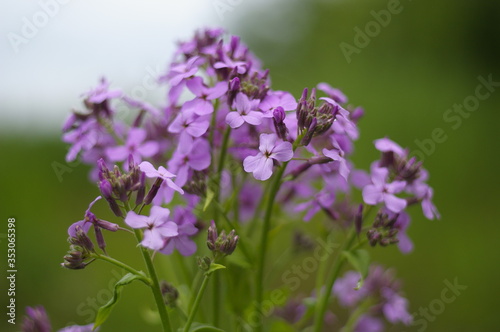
point(124, 266)
point(323, 299)
point(197, 302)
point(155, 287)
point(263, 241)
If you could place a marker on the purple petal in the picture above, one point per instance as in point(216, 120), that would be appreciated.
point(185, 246)
point(253, 118)
point(136, 221)
point(168, 229)
point(234, 120)
point(136, 136)
point(379, 176)
point(242, 103)
point(264, 169)
point(393, 203)
point(283, 151)
point(175, 187)
point(117, 153)
point(85, 226)
point(199, 158)
point(396, 186)
point(267, 142)
point(251, 163)
point(152, 239)
point(148, 149)
point(217, 91)
point(195, 85)
point(387, 145)
point(149, 169)
point(372, 195)
point(198, 128)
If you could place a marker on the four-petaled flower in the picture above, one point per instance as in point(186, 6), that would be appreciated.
point(157, 227)
point(245, 112)
point(261, 165)
point(202, 104)
point(382, 192)
point(152, 172)
point(134, 146)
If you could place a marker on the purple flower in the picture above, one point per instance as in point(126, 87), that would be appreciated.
point(202, 105)
point(85, 137)
point(337, 155)
point(382, 192)
point(277, 99)
point(79, 328)
point(179, 72)
point(197, 157)
point(387, 145)
point(188, 125)
point(320, 201)
point(245, 112)
point(36, 320)
point(101, 93)
point(424, 192)
point(261, 165)
point(345, 289)
point(185, 221)
point(332, 93)
point(369, 324)
point(342, 123)
point(157, 227)
point(89, 220)
point(134, 146)
point(227, 62)
point(396, 307)
point(152, 172)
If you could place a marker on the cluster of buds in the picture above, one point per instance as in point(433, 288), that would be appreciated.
point(170, 293)
point(80, 250)
point(117, 186)
point(314, 120)
point(221, 244)
point(383, 231)
point(405, 169)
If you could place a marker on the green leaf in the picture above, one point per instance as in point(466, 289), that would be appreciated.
point(360, 260)
point(215, 267)
point(105, 310)
point(208, 200)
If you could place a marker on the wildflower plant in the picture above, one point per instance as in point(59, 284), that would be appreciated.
point(228, 151)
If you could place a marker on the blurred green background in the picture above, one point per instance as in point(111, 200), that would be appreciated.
point(427, 59)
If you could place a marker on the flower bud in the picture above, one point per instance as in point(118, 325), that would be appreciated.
point(153, 191)
point(170, 293)
point(204, 263)
point(279, 124)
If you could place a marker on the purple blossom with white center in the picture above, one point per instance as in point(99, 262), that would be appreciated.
point(185, 221)
point(382, 192)
point(395, 308)
point(196, 157)
point(321, 201)
point(245, 112)
point(276, 99)
point(202, 105)
point(152, 172)
point(337, 155)
point(157, 227)
point(89, 220)
point(189, 126)
point(332, 93)
point(102, 93)
point(181, 71)
point(134, 146)
point(261, 165)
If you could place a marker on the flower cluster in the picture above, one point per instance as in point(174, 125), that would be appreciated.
point(226, 146)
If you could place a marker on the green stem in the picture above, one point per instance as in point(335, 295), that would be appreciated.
point(220, 168)
point(155, 287)
point(323, 299)
point(197, 302)
point(124, 266)
point(276, 182)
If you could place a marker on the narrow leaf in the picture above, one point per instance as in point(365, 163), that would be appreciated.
point(105, 310)
point(360, 260)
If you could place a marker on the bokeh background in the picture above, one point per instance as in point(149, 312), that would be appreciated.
point(425, 60)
